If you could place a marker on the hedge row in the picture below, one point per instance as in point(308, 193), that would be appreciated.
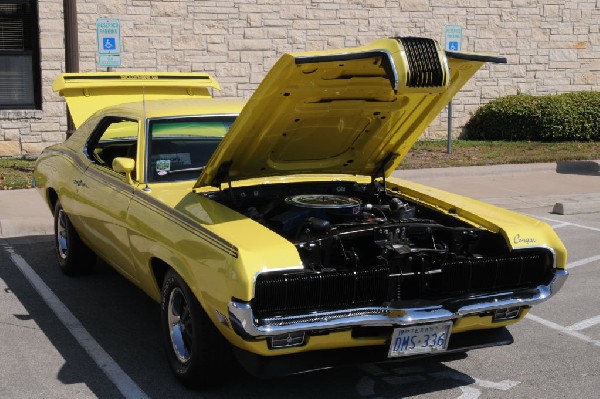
point(564, 117)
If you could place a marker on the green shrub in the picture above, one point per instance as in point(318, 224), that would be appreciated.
point(564, 117)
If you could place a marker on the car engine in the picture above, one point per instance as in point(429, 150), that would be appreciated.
point(363, 244)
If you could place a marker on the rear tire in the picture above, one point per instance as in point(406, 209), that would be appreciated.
point(74, 257)
point(198, 354)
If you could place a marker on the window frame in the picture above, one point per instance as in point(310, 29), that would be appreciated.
point(34, 54)
point(98, 132)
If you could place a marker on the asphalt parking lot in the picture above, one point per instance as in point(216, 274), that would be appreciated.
point(98, 336)
point(555, 353)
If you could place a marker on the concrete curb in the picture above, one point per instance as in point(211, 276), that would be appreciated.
point(24, 213)
point(566, 167)
point(19, 226)
point(576, 208)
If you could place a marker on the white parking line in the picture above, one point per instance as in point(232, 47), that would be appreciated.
point(103, 360)
point(582, 262)
point(568, 223)
point(582, 325)
point(558, 226)
point(469, 393)
point(564, 330)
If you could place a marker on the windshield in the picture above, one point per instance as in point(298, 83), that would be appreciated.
point(179, 148)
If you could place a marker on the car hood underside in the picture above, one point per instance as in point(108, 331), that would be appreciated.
point(356, 111)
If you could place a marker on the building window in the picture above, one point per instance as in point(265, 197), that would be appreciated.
point(19, 55)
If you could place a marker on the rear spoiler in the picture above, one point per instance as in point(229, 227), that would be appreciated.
point(87, 93)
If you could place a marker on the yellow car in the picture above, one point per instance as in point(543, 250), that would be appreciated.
point(271, 232)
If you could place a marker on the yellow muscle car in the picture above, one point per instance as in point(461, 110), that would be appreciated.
point(270, 231)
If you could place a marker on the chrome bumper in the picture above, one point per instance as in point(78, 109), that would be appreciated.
point(248, 326)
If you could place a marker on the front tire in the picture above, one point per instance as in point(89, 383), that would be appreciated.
point(198, 354)
point(74, 257)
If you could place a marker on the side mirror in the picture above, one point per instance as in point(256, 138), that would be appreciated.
point(124, 165)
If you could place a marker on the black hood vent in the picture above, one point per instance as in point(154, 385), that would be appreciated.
point(425, 67)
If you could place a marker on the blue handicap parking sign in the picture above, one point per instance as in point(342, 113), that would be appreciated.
point(109, 43)
point(453, 45)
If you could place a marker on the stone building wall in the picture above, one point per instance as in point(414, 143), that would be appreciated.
point(552, 46)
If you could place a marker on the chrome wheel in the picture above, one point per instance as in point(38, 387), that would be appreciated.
point(198, 354)
point(73, 256)
point(62, 239)
point(180, 325)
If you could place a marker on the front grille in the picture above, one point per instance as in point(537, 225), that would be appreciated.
point(503, 272)
point(291, 293)
point(425, 68)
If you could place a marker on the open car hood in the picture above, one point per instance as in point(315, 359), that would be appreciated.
point(353, 111)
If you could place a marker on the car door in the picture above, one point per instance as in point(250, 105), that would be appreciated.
point(106, 194)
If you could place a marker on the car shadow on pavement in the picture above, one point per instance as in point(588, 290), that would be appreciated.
point(71, 364)
point(125, 322)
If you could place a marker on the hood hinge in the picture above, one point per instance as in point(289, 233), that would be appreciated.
point(222, 174)
point(380, 170)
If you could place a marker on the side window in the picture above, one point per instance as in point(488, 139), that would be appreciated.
point(114, 137)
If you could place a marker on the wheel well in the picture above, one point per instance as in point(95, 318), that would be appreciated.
point(159, 270)
point(52, 198)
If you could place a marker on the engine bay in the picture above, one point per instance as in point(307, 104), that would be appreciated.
point(365, 245)
point(346, 225)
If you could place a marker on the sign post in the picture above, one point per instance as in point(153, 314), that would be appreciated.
point(453, 40)
point(109, 42)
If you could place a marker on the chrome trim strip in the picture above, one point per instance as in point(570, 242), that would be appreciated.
point(195, 116)
point(147, 138)
point(248, 326)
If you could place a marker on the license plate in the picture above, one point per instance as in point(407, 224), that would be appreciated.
point(417, 340)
